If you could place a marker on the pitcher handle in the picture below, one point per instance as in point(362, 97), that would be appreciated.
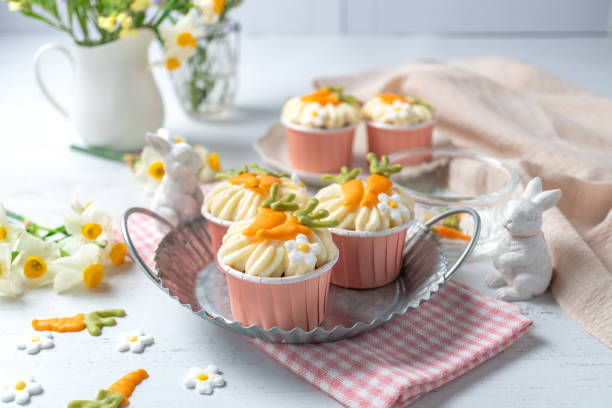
point(39, 80)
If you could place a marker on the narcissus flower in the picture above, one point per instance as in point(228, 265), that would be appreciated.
point(180, 39)
point(32, 262)
point(8, 232)
point(150, 169)
point(86, 227)
point(83, 267)
point(210, 10)
point(9, 278)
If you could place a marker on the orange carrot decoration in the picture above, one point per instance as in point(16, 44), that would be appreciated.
point(451, 233)
point(125, 386)
point(75, 323)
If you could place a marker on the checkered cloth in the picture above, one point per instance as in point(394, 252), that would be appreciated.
point(398, 362)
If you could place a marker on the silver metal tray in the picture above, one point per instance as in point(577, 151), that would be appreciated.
point(186, 270)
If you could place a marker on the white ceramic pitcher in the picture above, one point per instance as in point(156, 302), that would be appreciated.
point(115, 100)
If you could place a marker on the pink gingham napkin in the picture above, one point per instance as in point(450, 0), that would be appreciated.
point(400, 361)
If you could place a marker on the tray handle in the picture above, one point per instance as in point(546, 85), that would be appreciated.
point(128, 239)
point(470, 246)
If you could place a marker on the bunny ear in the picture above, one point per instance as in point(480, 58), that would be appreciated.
point(534, 187)
point(158, 143)
point(547, 199)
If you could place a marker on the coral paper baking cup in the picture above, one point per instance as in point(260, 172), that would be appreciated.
point(287, 303)
point(386, 139)
point(368, 259)
point(217, 228)
point(319, 150)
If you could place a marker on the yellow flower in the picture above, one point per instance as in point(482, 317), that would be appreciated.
point(127, 26)
point(15, 6)
point(140, 5)
point(107, 23)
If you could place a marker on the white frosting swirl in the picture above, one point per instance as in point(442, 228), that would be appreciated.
point(235, 202)
point(329, 116)
point(331, 198)
point(267, 258)
point(413, 113)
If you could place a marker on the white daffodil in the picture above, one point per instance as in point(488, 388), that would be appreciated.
point(33, 342)
point(314, 114)
point(32, 262)
point(212, 164)
point(203, 380)
point(20, 390)
point(210, 10)
point(86, 227)
point(393, 206)
point(85, 266)
point(302, 251)
point(398, 109)
point(150, 169)
point(134, 341)
point(9, 278)
point(180, 39)
point(114, 253)
point(8, 232)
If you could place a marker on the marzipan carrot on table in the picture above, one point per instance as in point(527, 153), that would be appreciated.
point(450, 233)
point(125, 386)
point(61, 324)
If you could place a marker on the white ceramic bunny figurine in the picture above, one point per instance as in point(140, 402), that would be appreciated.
point(522, 259)
point(178, 198)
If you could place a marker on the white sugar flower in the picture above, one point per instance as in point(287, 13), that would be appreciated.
point(86, 227)
point(393, 206)
point(302, 251)
point(32, 262)
point(203, 380)
point(33, 342)
point(150, 169)
point(398, 109)
point(83, 267)
point(314, 114)
point(8, 232)
point(180, 39)
point(134, 341)
point(210, 10)
point(9, 277)
point(20, 390)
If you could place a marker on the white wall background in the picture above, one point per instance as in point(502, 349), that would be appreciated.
point(515, 17)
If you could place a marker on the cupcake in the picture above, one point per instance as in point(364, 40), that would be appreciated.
point(395, 123)
point(278, 264)
point(373, 216)
point(319, 128)
point(241, 193)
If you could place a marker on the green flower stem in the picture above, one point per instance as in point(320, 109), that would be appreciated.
point(95, 151)
point(33, 228)
point(14, 215)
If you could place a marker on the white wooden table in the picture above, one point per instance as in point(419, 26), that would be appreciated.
point(554, 364)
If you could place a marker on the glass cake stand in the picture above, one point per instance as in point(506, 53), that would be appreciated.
point(186, 270)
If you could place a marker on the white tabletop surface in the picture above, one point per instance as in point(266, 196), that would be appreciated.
point(554, 364)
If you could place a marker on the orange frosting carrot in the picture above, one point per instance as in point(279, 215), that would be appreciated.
point(375, 185)
point(353, 192)
point(75, 323)
point(451, 233)
point(265, 219)
point(275, 225)
point(260, 183)
point(389, 98)
point(286, 231)
point(125, 386)
point(322, 96)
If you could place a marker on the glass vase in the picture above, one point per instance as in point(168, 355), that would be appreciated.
point(206, 83)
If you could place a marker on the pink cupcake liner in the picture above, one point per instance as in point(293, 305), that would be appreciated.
point(287, 303)
point(217, 228)
point(386, 139)
point(319, 150)
point(368, 259)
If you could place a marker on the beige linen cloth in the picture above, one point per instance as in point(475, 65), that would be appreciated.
point(549, 128)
